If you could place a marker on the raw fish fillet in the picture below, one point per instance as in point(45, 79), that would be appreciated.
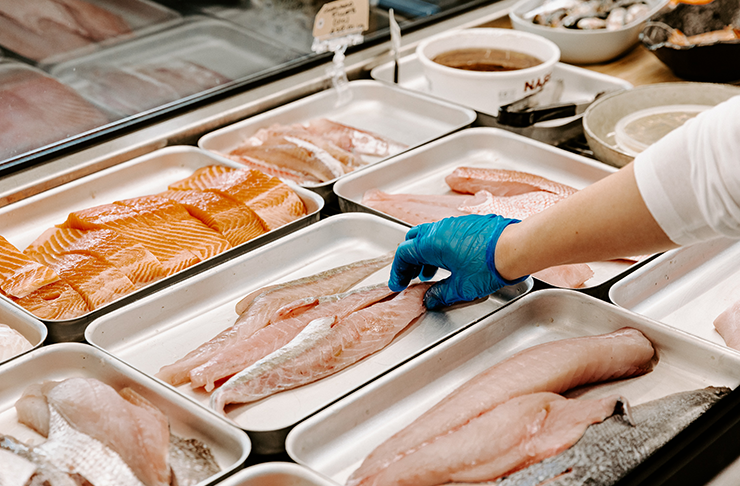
point(417, 208)
point(264, 135)
point(95, 280)
point(273, 200)
point(146, 231)
point(234, 220)
point(46, 473)
point(98, 23)
point(555, 367)
point(12, 343)
point(15, 470)
point(56, 301)
point(32, 407)
point(609, 450)
point(728, 325)
point(259, 306)
point(353, 139)
point(325, 346)
point(133, 259)
point(185, 77)
point(19, 274)
point(501, 182)
point(282, 329)
point(519, 207)
point(572, 276)
point(519, 432)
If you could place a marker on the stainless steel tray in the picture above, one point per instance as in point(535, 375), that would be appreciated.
point(214, 44)
point(23, 221)
point(685, 288)
point(405, 117)
point(277, 474)
point(31, 328)
point(335, 441)
point(163, 327)
point(423, 171)
point(229, 445)
point(579, 85)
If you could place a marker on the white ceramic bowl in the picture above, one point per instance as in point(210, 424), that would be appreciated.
point(584, 46)
point(486, 90)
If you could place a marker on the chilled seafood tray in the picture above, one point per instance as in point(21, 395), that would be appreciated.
point(230, 446)
point(197, 55)
point(423, 171)
point(407, 118)
point(162, 328)
point(33, 330)
point(685, 288)
point(277, 474)
point(24, 221)
point(336, 440)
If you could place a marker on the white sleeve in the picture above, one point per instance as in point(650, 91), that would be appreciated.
point(690, 179)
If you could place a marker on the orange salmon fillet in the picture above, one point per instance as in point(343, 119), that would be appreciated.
point(273, 200)
point(234, 220)
point(176, 224)
point(19, 274)
point(132, 258)
point(55, 301)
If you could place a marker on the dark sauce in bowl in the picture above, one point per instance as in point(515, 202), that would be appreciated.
point(484, 59)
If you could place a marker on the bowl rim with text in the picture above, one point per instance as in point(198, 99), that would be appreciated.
point(478, 86)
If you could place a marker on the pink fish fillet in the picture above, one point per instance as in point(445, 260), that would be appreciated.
point(520, 206)
point(325, 350)
point(259, 306)
point(728, 325)
point(419, 208)
point(572, 276)
point(353, 139)
point(245, 352)
point(519, 432)
point(501, 182)
point(555, 367)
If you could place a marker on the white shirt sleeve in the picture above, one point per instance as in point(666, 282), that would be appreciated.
point(690, 179)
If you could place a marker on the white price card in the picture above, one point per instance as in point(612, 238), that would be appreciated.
point(340, 18)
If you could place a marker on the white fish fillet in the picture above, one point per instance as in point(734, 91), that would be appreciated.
point(519, 207)
point(12, 343)
point(728, 325)
point(555, 367)
point(501, 182)
point(259, 306)
point(324, 347)
point(519, 432)
point(15, 470)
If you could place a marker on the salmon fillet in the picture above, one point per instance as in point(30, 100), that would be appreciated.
point(234, 220)
point(132, 258)
point(55, 301)
point(555, 367)
point(501, 182)
point(20, 275)
point(273, 200)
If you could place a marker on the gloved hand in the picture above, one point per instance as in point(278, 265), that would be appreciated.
point(464, 245)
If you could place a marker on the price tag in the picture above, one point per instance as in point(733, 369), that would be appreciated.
point(341, 17)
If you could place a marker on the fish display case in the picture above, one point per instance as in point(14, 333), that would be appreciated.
point(160, 329)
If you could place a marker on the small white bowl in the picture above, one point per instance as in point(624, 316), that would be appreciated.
point(584, 46)
point(486, 90)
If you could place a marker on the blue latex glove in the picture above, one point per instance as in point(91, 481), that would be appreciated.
point(464, 245)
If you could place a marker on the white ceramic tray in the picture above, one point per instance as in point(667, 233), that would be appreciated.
point(277, 474)
point(31, 328)
point(163, 327)
point(335, 441)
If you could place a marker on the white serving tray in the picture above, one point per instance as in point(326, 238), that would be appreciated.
point(405, 117)
point(685, 288)
point(277, 474)
point(31, 328)
point(159, 329)
point(229, 445)
point(335, 441)
point(423, 171)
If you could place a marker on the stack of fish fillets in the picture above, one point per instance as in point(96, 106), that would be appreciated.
point(337, 440)
point(162, 328)
point(202, 448)
point(22, 222)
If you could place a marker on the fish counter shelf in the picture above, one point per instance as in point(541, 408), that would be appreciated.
point(336, 440)
point(27, 219)
point(229, 446)
point(160, 329)
point(422, 171)
point(404, 117)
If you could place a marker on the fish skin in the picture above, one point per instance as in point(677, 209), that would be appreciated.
point(55, 301)
point(518, 432)
point(502, 182)
point(555, 367)
point(12, 343)
point(45, 471)
point(609, 450)
point(191, 461)
point(571, 276)
point(19, 274)
point(354, 139)
point(728, 325)
point(245, 352)
point(325, 346)
point(259, 306)
point(519, 207)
